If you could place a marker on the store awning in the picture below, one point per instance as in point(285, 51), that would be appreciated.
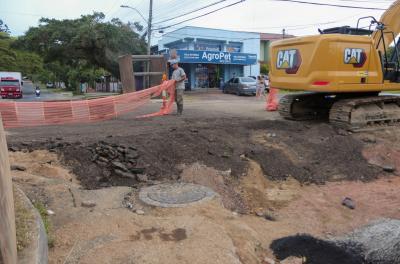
point(216, 57)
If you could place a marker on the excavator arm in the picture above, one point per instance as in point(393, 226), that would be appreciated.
point(391, 21)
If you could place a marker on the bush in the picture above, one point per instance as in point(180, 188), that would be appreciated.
point(264, 69)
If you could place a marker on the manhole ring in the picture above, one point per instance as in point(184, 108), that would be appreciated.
point(175, 194)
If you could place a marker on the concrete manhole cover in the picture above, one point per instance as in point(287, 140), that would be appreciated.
point(175, 194)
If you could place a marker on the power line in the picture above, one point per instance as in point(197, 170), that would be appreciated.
point(333, 5)
point(190, 12)
point(366, 1)
point(291, 27)
point(170, 8)
point(205, 14)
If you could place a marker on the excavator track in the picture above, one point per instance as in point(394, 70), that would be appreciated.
point(305, 106)
point(366, 113)
point(354, 112)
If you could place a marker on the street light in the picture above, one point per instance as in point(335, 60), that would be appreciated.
point(133, 8)
point(149, 22)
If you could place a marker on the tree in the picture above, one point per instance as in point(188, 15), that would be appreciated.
point(29, 63)
point(83, 45)
point(7, 55)
point(3, 27)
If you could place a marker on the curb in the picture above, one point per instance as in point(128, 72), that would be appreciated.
point(37, 252)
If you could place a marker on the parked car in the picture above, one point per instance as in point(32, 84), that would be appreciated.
point(241, 85)
point(49, 85)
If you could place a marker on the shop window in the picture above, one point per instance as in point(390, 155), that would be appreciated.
point(237, 47)
point(201, 76)
point(208, 46)
point(180, 46)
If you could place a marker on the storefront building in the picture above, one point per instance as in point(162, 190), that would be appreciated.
point(212, 56)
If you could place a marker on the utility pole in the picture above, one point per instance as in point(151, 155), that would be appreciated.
point(283, 33)
point(149, 21)
point(149, 27)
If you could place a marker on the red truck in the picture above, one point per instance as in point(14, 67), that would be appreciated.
point(11, 85)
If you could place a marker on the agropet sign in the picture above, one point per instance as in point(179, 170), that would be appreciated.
point(216, 57)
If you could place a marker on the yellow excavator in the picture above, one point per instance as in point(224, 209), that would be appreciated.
point(343, 70)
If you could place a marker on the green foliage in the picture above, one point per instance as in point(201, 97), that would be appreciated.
point(7, 55)
point(46, 222)
point(4, 27)
point(74, 50)
point(264, 69)
point(23, 222)
point(11, 59)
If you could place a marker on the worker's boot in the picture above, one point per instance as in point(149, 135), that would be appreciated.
point(180, 109)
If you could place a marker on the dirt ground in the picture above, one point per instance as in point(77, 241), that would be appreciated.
point(274, 178)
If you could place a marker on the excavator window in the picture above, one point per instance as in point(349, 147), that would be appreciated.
point(390, 62)
point(347, 30)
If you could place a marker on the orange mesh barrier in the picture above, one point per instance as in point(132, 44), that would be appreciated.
point(23, 114)
point(272, 100)
point(167, 105)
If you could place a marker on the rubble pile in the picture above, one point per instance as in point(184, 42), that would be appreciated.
point(117, 160)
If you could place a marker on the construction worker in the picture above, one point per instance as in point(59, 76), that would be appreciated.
point(179, 76)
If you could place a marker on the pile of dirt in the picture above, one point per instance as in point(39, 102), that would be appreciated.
point(307, 152)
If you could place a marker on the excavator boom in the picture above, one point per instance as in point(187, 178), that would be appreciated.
point(391, 21)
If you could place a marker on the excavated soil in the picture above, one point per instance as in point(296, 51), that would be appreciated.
point(274, 179)
point(307, 152)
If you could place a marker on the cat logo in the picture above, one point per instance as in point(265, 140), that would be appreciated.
point(354, 56)
point(288, 60)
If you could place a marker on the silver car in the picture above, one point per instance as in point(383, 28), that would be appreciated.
point(241, 85)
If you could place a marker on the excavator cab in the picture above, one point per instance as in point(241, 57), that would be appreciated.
point(389, 55)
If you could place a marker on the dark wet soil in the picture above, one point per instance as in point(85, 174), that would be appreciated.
point(314, 250)
point(308, 152)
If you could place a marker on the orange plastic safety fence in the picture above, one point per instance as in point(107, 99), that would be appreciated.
point(167, 105)
point(272, 100)
point(24, 114)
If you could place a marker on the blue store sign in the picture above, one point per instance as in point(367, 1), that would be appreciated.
point(216, 57)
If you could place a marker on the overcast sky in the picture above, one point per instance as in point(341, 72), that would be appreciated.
point(251, 15)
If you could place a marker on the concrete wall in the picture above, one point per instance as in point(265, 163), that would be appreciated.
point(8, 243)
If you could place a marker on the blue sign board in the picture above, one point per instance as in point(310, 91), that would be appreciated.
point(216, 57)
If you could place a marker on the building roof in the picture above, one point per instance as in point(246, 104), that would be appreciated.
point(216, 29)
point(273, 36)
point(263, 36)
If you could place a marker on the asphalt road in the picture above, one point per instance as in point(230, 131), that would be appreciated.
point(28, 92)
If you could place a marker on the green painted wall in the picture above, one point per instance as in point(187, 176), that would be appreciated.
point(264, 52)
